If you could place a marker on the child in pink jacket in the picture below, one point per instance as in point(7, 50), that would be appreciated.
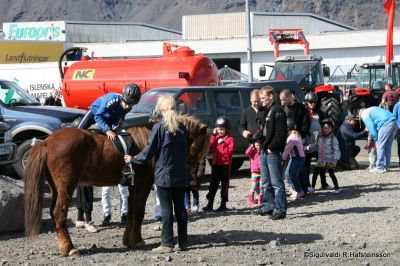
point(294, 151)
point(253, 151)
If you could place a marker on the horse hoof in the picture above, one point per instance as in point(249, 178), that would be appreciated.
point(140, 244)
point(73, 252)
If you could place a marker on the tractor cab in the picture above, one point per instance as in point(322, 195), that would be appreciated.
point(371, 84)
point(306, 70)
point(372, 76)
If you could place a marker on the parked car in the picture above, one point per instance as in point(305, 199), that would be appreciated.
point(29, 120)
point(7, 148)
point(207, 103)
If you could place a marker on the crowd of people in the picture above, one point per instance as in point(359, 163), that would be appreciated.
point(288, 149)
point(284, 137)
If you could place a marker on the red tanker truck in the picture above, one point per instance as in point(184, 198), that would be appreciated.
point(87, 79)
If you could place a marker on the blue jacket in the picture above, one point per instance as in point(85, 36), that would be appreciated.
point(374, 118)
point(107, 111)
point(396, 113)
point(171, 156)
point(347, 137)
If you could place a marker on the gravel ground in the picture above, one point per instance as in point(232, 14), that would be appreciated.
point(360, 226)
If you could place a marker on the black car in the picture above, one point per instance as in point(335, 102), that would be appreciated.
point(207, 103)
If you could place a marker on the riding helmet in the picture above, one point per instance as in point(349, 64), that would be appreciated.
point(311, 97)
point(223, 121)
point(131, 94)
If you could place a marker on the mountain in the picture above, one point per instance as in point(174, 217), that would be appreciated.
point(361, 14)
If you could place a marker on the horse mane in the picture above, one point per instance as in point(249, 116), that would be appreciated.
point(196, 130)
point(140, 134)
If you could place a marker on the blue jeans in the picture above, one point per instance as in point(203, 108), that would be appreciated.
point(293, 172)
point(272, 183)
point(172, 199)
point(384, 143)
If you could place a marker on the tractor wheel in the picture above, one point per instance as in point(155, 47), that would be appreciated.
point(330, 108)
point(356, 103)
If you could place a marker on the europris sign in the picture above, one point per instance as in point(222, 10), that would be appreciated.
point(35, 31)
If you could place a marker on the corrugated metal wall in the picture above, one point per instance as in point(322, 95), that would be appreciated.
point(263, 22)
point(214, 26)
point(230, 25)
point(89, 33)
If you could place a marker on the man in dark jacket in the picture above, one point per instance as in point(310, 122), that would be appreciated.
point(275, 132)
point(248, 125)
point(296, 111)
point(53, 99)
point(347, 143)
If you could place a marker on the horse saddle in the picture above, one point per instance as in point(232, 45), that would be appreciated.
point(123, 143)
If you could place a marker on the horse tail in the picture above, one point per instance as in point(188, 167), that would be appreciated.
point(34, 175)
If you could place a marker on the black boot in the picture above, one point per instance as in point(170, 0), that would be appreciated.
point(209, 206)
point(222, 207)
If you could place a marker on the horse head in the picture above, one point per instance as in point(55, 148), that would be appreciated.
point(198, 136)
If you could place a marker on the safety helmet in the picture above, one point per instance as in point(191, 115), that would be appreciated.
point(291, 124)
point(131, 94)
point(223, 121)
point(311, 97)
point(327, 121)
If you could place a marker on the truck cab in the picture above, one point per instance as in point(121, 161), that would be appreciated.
point(29, 120)
point(7, 148)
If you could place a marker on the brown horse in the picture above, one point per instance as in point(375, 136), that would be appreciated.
point(72, 156)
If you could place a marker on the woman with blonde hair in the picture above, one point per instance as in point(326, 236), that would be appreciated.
point(168, 144)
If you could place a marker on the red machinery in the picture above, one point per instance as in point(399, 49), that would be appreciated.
point(86, 80)
point(288, 36)
point(306, 70)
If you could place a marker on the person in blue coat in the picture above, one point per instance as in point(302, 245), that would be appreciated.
point(396, 113)
point(168, 145)
point(382, 126)
point(109, 110)
point(347, 137)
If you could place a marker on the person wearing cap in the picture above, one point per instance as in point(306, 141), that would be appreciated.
point(347, 137)
point(382, 126)
point(221, 144)
point(107, 112)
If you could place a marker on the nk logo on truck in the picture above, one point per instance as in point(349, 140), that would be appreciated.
point(83, 74)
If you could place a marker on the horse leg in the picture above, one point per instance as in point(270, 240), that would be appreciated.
point(137, 204)
point(59, 215)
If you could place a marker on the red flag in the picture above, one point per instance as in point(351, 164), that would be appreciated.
point(389, 6)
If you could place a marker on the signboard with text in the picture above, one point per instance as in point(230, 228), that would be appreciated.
point(34, 31)
point(30, 52)
point(38, 79)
